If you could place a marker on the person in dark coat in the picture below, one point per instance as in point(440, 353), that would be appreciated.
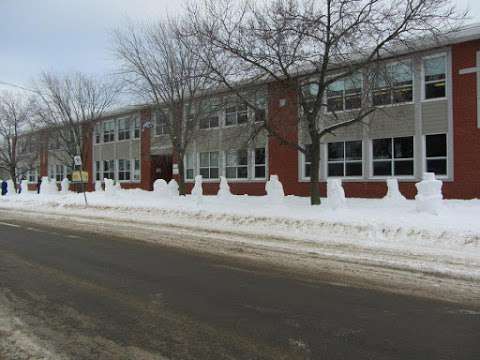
point(39, 182)
point(4, 188)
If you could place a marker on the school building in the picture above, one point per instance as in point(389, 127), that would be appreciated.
point(428, 120)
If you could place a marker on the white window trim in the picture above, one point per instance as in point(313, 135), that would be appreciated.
point(220, 160)
point(114, 131)
point(248, 166)
point(433, 56)
point(185, 166)
point(345, 111)
point(130, 128)
point(392, 160)
point(253, 177)
point(344, 162)
point(155, 125)
point(115, 169)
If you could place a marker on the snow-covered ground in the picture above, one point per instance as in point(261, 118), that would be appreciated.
point(450, 240)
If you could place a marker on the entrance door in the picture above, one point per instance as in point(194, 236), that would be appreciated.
point(162, 167)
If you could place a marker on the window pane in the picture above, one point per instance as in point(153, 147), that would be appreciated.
point(434, 68)
point(381, 97)
point(353, 150)
point(204, 123)
point(231, 172)
point(353, 102)
point(353, 169)
point(436, 145)
point(439, 167)
point(204, 159)
point(213, 173)
point(435, 90)
point(307, 170)
point(308, 153)
point(214, 159)
point(382, 168)
point(335, 151)
point(242, 172)
point(335, 169)
point(382, 149)
point(260, 156)
point(259, 171)
point(404, 94)
point(403, 167)
point(242, 157)
point(189, 173)
point(231, 158)
point(401, 73)
point(403, 147)
point(213, 121)
point(335, 104)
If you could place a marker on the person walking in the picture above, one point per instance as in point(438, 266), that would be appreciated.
point(4, 188)
point(39, 183)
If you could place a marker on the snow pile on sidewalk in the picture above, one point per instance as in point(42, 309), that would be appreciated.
point(359, 220)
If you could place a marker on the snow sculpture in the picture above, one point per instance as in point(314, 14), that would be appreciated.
point(173, 188)
point(393, 192)
point(65, 185)
point(98, 186)
point(10, 187)
point(224, 190)
point(335, 194)
point(160, 187)
point(429, 198)
point(274, 189)
point(24, 186)
point(109, 187)
point(197, 190)
point(48, 186)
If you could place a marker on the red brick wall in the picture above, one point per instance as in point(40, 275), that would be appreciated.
point(466, 133)
point(87, 130)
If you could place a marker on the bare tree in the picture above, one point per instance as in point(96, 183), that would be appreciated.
point(15, 122)
point(68, 105)
point(164, 69)
point(309, 46)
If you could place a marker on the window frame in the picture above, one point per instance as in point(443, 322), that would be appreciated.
point(110, 171)
point(187, 168)
point(446, 157)
point(111, 133)
point(344, 94)
point(218, 167)
point(237, 167)
point(125, 132)
point(392, 159)
point(164, 127)
point(255, 165)
point(392, 88)
point(433, 56)
point(345, 161)
point(127, 170)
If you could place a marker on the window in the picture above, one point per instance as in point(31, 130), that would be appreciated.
point(123, 129)
point(345, 158)
point(436, 153)
point(260, 163)
point(108, 131)
point(33, 175)
point(136, 128)
point(236, 164)
point(261, 110)
point(189, 166)
point(345, 94)
point(307, 161)
point(209, 165)
point(123, 169)
point(59, 172)
point(394, 84)
point(434, 69)
point(236, 114)
point(209, 122)
point(109, 169)
point(136, 170)
point(98, 133)
point(161, 123)
point(393, 156)
point(98, 171)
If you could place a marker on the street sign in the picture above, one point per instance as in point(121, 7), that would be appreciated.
point(77, 160)
point(175, 169)
point(80, 176)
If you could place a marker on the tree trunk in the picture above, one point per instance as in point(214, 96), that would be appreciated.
point(314, 172)
point(181, 176)
point(13, 176)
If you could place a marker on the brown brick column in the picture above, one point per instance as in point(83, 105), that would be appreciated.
point(145, 157)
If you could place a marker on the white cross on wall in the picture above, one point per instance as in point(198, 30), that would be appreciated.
point(475, 70)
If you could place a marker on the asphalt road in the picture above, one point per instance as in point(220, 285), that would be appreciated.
point(100, 297)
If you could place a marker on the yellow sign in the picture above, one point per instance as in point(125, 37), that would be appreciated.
point(77, 177)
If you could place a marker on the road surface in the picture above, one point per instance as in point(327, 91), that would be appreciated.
point(79, 295)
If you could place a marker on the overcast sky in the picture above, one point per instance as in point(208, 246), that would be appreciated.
point(64, 35)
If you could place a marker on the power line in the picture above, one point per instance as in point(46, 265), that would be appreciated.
point(16, 86)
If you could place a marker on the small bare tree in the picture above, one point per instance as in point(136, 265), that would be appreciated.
point(68, 105)
point(311, 45)
point(15, 122)
point(164, 69)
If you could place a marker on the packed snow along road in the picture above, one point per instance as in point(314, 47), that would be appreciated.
point(382, 233)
